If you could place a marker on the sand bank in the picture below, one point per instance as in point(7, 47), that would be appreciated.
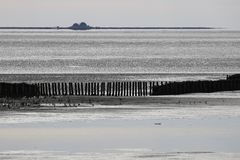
point(191, 99)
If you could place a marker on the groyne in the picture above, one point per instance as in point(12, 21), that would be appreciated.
point(117, 89)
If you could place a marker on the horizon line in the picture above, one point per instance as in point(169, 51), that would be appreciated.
point(85, 26)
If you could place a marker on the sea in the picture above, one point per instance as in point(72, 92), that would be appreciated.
point(106, 55)
point(146, 132)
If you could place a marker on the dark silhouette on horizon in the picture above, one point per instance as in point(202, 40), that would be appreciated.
point(85, 26)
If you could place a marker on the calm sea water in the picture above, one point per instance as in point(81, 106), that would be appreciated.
point(119, 51)
point(158, 54)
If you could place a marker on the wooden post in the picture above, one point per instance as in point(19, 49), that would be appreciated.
point(49, 89)
point(136, 89)
point(150, 88)
point(146, 89)
point(44, 91)
point(41, 89)
point(59, 89)
point(113, 89)
point(55, 88)
point(143, 88)
point(104, 88)
point(66, 89)
point(98, 89)
point(140, 88)
point(78, 89)
point(127, 91)
point(101, 89)
point(107, 89)
point(52, 89)
point(69, 88)
point(116, 89)
point(133, 88)
point(86, 89)
point(82, 91)
point(130, 88)
point(95, 88)
point(89, 89)
point(63, 93)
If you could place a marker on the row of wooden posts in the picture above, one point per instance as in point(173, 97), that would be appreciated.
point(97, 89)
point(138, 88)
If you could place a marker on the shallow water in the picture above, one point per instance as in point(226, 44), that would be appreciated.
point(123, 132)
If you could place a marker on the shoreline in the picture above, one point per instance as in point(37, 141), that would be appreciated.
point(91, 101)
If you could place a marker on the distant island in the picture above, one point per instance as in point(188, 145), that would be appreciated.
point(85, 26)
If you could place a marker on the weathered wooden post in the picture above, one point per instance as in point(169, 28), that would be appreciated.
point(101, 89)
point(132, 88)
point(66, 89)
point(41, 89)
point(143, 88)
point(85, 89)
point(89, 89)
point(82, 90)
point(136, 89)
point(63, 93)
point(113, 89)
point(116, 90)
point(146, 88)
point(59, 89)
point(121, 89)
point(55, 88)
point(70, 88)
point(78, 89)
point(98, 89)
point(107, 89)
point(49, 89)
point(52, 89)
point(95, 88)
point(44, 89)
point(75, 88)
point(150, 88)
point(127, 88)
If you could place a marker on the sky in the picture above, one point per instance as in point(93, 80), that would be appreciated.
point(163, 13)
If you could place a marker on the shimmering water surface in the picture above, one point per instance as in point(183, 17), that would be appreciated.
point(119, 51)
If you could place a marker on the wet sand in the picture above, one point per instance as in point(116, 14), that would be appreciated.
point(219, 98)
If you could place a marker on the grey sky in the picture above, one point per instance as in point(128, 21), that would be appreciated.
point(213, 13)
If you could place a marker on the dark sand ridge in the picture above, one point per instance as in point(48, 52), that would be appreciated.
point(102, 100)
